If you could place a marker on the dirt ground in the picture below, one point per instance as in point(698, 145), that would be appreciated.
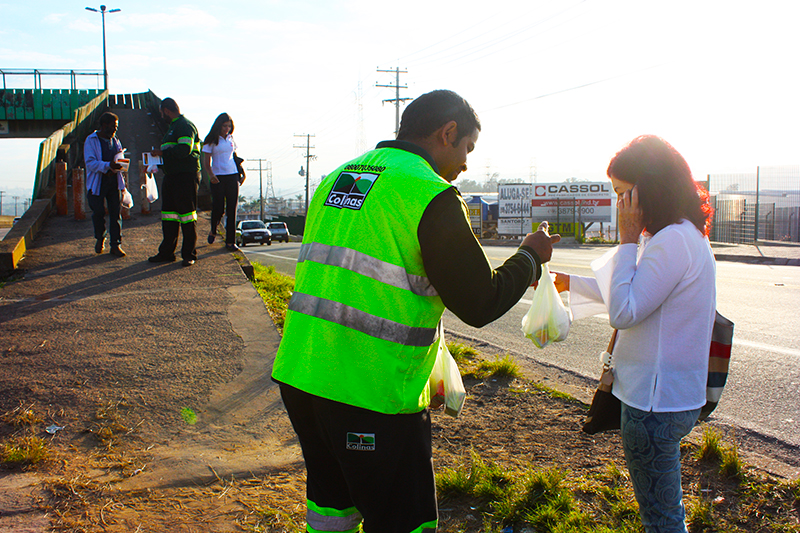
point(125, 464)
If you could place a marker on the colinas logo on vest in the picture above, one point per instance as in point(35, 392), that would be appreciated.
point(351, 189)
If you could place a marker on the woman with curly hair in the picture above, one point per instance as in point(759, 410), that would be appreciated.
point(659, 289)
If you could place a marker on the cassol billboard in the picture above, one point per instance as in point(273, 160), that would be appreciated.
point(572, 202)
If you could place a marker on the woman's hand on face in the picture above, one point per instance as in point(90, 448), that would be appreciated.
point(561, 281)
point(630, 217)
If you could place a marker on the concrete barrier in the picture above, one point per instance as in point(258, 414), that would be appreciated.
point(21, 235)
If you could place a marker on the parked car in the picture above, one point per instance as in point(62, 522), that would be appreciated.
point(279, 231)
point(248, 231)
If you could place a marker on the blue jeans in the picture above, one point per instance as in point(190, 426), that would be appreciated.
point(651, 442)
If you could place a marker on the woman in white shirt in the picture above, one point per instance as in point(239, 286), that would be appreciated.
point(659, 289)
point(218, 161)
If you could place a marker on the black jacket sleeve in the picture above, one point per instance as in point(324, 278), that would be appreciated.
point(459, 270)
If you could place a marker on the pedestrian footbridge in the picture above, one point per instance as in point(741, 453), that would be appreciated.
point(64, 118)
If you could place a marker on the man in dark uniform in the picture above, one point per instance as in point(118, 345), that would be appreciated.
point(180, 150)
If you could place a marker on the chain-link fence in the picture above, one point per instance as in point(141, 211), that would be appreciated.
point(763, 205)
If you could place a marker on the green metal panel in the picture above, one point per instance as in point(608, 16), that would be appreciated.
point(66, 111)
point(19, 104)
point(74, 102)
point(38, 109)
point(28, 104)
point(9, 104)
point(3, 104)
point(47, 103)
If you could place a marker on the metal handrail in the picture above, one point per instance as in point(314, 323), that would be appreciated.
point(38, 73)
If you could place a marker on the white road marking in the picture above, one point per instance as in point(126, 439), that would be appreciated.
point(736, 342)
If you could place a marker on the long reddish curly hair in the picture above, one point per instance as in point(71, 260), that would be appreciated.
point(667, 191)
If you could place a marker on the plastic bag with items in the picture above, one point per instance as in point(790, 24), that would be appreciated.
point(548, 320)
point(150, 188)
point(446, 386)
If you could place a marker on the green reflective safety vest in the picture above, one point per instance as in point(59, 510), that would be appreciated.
point(181, 146)
point(361, 324)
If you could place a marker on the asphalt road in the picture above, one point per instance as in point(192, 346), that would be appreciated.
point(762, 301)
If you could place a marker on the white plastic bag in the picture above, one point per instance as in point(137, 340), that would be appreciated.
point(150, 188)
point(547, 320)
point(127, 199)
point(446, 386)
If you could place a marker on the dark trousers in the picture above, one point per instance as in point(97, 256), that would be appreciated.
point(364, 464)
point(225, 199)
point(179, 214)
point(109, 194)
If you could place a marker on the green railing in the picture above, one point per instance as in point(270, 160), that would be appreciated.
point(43, 104)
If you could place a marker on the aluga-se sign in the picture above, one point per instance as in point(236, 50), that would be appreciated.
point(572, 202)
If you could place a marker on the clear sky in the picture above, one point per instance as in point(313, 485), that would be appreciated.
point(559, 85)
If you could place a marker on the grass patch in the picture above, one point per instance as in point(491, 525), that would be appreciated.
point(276, 291)
point(108, 426)
point(22, 416)
point(461, 352)
point(23, 450)
point(713, 450)
point(268, 520)
point(499, 367)
point(537, 500)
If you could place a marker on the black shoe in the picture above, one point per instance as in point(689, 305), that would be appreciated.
point(232, 247)
point(117, 251)
point(99, 245)
point(158, 258)
point(211, 238)
point(188, 262)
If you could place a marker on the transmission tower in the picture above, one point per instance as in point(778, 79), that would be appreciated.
point(396, 98)
point(270, 189)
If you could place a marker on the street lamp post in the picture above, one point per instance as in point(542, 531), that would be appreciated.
point(103, 12)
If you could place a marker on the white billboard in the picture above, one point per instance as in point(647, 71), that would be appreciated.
point(514, 208)
point(572, 202)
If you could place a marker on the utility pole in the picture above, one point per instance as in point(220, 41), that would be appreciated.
point(396, 98)
point(260, 184)
point(16, 199)
point(1, 201)
point(309, 157)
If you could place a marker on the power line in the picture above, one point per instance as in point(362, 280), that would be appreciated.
point(572, 88)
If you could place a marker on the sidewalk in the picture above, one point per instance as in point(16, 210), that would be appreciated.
point(81, 331)
point(768, 253)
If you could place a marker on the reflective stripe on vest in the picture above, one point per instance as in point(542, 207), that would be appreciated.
point(326, 519)
point(351, 317)
point(363, 264)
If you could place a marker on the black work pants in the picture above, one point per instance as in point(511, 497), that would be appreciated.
point(225, 199)
point(179, 214)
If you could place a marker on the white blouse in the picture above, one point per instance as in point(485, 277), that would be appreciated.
point(663, 303)
point(222, 162)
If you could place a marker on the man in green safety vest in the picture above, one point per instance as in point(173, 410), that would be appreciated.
point(180, 151)
point(387, 246)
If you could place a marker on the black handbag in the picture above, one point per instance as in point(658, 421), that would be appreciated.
point(238, 160)
point(606, 410)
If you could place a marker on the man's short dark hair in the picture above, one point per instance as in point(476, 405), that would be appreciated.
point(107, 118)
point(171, 105)
point(432, 110)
